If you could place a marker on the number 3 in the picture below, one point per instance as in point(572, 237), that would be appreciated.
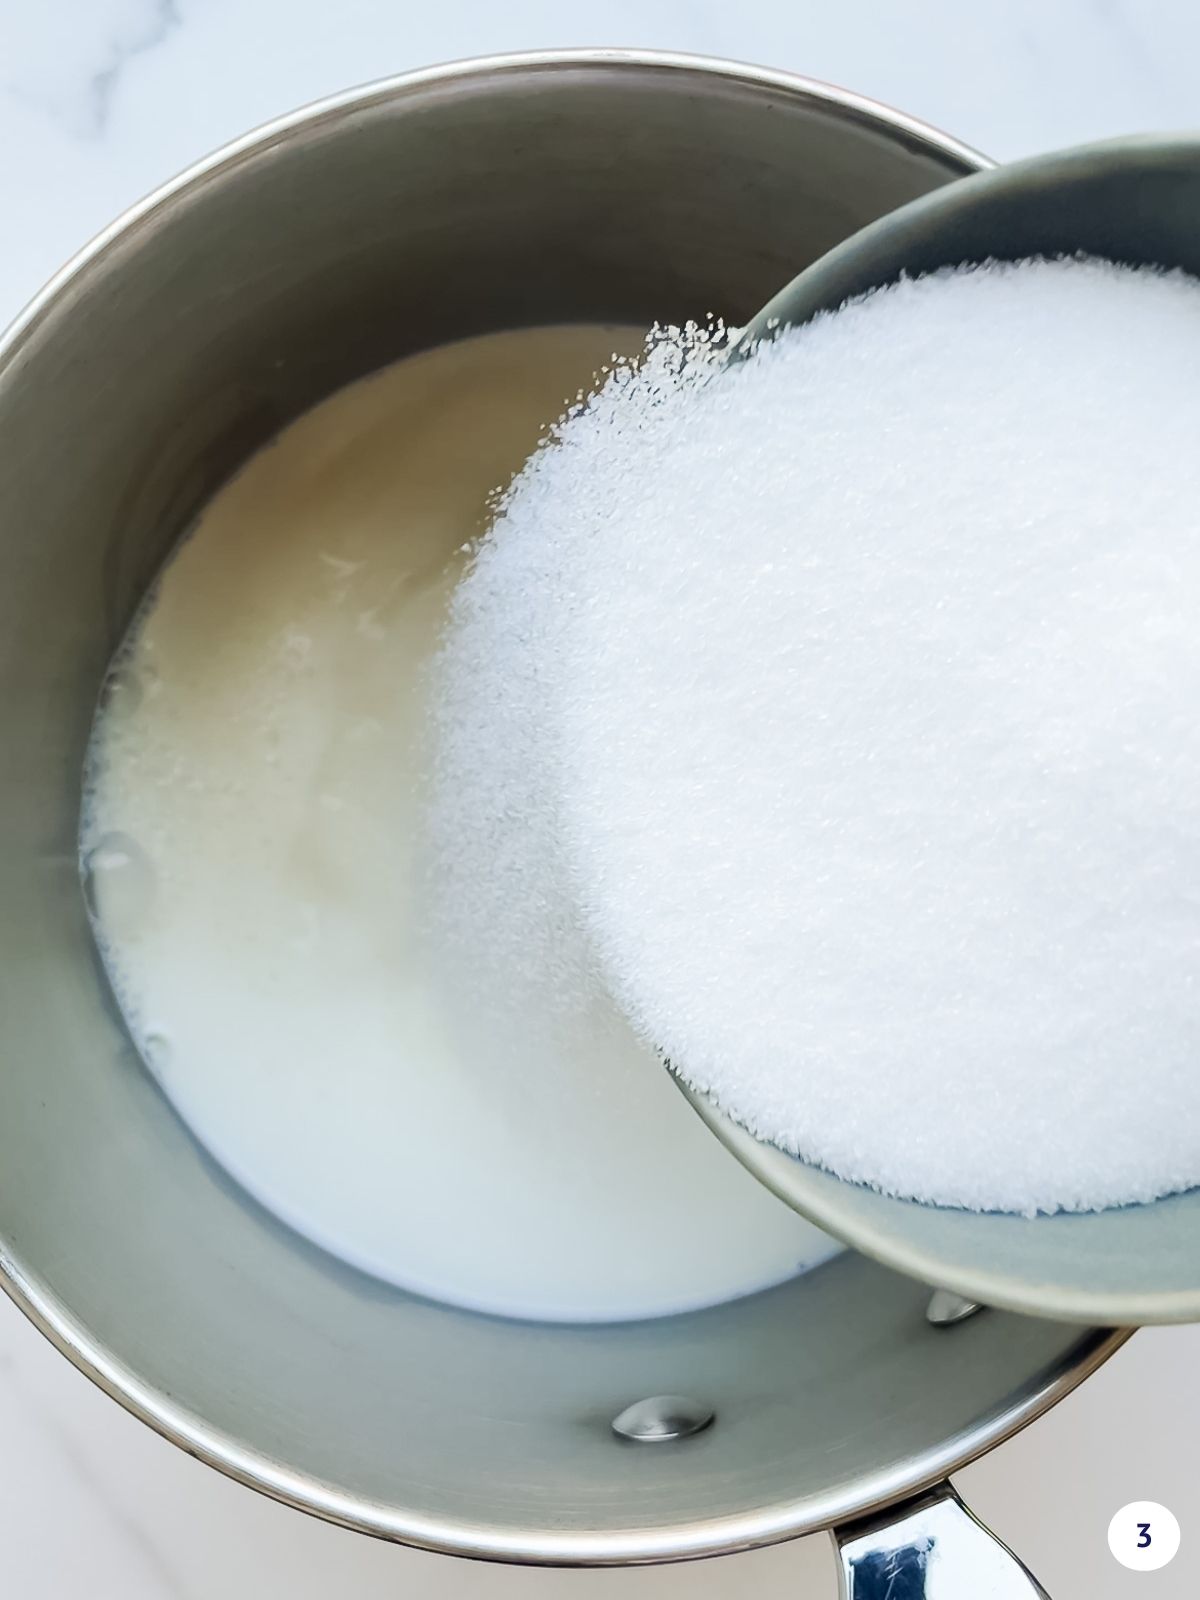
point(1144, 1533)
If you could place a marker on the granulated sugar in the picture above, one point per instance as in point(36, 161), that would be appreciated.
point(855, 704)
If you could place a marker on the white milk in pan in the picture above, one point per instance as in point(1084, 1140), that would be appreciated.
point(255, 849)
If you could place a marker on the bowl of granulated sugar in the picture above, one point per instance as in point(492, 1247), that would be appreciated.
point(860, 673)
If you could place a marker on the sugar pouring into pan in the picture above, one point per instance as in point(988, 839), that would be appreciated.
point(224, 309)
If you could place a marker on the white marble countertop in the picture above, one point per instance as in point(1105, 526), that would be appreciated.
point(102, 99)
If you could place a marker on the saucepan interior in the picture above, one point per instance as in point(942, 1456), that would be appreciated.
point(534, 190)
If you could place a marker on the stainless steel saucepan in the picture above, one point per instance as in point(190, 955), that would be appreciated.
point(602, 185)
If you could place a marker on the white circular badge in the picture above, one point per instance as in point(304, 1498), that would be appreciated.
point(1143, 1536)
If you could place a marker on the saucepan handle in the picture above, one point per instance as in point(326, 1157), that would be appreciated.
point(930, 1548)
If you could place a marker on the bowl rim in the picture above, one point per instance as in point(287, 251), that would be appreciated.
point(824, 279)
point(815, 1193)
point(303, 1491)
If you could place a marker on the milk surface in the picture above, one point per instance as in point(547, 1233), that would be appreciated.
point(253, 850)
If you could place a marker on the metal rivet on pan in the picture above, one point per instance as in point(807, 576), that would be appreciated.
point(661, 1417)
point(946, 1308)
